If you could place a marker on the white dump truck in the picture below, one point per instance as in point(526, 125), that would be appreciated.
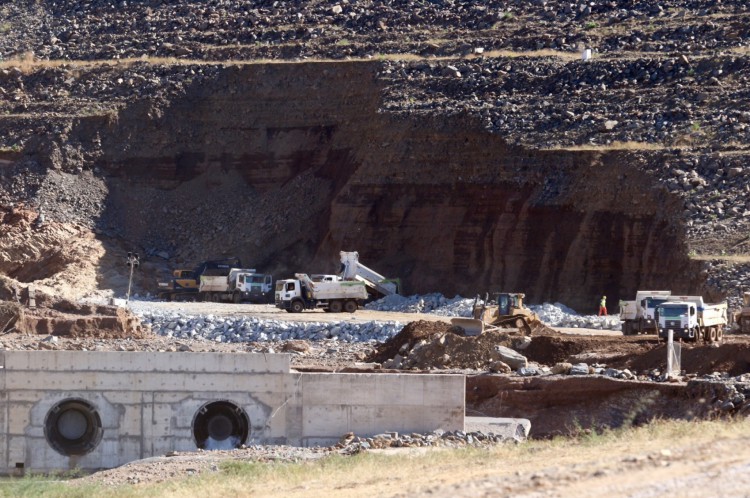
point(242, 284)
point(639, 316)
point(378, 285)
point(689, 318)
point(301, 293)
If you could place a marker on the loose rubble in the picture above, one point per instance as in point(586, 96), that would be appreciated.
point(554, 315)
point(252, 329)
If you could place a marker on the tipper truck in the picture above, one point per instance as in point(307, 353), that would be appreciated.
point(689, 318)
point(185, 284)
point(301, 293)
point(639, 316)
point(240, 285)
point(376, 283)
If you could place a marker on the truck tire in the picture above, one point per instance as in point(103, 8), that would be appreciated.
point(712, 334)
point(236, 298)
point(625, 328)
point(719, 334)
point(350, 306)
point(297, 307)
point(335, 306)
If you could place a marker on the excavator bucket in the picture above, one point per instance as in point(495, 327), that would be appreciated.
point(471, 326)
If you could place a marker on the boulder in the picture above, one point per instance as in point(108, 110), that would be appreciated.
point(561, 368)
point(512, 358)
point(579, 369)
point(500, 367)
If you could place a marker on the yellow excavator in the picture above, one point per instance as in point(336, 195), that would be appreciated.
point(507, 311)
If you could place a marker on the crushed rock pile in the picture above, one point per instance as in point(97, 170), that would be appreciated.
point(253, 329)
point(559, 315)
point(554, 315)
point(434, 303)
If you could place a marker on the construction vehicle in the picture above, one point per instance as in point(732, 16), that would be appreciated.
point(184, 283)
point(377, 284)
point(240, 285)
point(507, 311)
point(324, 278)
point(301, 293)
point(639, 316)
point(742, 317)
point(689, 318)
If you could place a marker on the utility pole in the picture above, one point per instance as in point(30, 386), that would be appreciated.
point(132, 261)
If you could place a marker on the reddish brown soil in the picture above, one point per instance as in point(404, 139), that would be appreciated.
point(71, 320)
point(732, 358)
point(563, 405)
point(410, 335)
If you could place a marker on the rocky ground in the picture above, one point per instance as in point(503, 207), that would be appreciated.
point(666, 86)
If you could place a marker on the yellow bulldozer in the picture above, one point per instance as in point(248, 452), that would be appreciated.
point(507, 311)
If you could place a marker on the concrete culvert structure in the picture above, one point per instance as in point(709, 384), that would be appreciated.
point(73, 427)
point(220, 425)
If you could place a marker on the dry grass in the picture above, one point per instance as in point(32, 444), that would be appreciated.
point(414, 473)
point(729, 258)
point(28, 64)
point(613, 146)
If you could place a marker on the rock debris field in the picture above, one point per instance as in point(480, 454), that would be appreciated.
point(253, 329)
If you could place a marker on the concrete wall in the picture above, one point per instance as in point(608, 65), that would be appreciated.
point(148, 403)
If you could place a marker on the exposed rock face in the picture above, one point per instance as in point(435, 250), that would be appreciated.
point(285, 165)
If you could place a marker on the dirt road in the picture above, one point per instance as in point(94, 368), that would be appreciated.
point(270, 312)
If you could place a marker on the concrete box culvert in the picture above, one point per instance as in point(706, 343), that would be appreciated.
point(89, 410)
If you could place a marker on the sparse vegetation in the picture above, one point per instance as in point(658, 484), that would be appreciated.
point(613, 146)
point(408, 472)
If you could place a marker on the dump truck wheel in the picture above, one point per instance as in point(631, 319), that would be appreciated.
point(350, 306)
point(712, 334)
point(236, 298)
point(335, 306)
point(719, 334)
point(297, 307)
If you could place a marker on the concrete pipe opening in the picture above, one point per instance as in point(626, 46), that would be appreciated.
point(220, 425)
point(73, 427)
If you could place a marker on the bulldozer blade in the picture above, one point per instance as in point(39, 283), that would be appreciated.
point(471, 326)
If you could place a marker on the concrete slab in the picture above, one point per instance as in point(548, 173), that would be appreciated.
point(518, 428)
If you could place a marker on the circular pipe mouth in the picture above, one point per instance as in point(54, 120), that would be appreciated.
point(73, 427)
point(220, 425)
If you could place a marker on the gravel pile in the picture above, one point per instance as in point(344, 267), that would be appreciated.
point(434, 303)
point(554, 315)
point(252, 329)
point(559, 315)
point(351, 444)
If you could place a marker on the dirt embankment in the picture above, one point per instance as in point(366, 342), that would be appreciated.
point(67, 319)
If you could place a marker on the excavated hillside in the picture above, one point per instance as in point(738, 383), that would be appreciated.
point(448, 142)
